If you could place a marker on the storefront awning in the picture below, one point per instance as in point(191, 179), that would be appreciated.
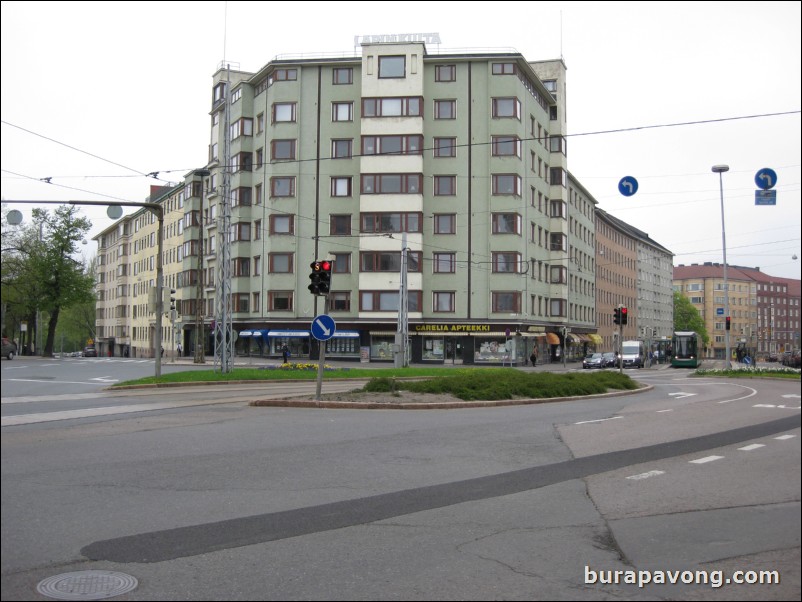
point(246, 333)
point(574, 338)
point(595, 339)
point(552, 338)
point(584, 338)
point(346, 334)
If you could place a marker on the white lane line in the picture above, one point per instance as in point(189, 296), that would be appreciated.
point(56, 382)
point(599, 420)
point(646, 475)
point(784, 437)
point(35, 398)
point(661, 411)
point(706, 459)
point(751, 447)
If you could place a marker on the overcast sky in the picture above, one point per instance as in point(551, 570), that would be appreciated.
point(97, 94)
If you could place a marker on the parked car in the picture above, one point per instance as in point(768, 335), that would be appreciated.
point(609, 360)
point(9, 348)
point(594, 360)
point(791, 359)
point(772, 357)
point(90, 352)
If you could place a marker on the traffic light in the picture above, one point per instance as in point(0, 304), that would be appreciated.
point(320, 277)
point(172, 299)
point(617, 315)
point(624, 315)
point(728, 323)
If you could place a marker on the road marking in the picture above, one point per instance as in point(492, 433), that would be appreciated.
point(706, 459)
point(35, 398)
point(784, 437)
point(659, 411)
point(681, 394)
point(751, 447)
point(792, 395)
point(599, 420)
point(57, 382)
point(780, 406)
point(646, 475)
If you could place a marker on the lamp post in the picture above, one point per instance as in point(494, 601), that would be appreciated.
point(200, 355)
point(720, 169)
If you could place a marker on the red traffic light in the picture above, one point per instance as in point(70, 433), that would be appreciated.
point(325, 266)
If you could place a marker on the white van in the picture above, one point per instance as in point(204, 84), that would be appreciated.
point(633, 354)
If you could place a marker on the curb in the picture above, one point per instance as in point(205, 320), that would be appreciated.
point(449, 405)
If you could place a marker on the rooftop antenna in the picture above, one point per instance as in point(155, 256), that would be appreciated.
point(561, 36)
point(225, 28)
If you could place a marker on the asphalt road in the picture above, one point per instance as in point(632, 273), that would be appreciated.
point(227, 501)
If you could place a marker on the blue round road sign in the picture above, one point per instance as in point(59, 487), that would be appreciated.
point(766, 178)
point(323, 327)
point(628, 186)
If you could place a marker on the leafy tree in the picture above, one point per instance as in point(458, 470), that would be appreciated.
point(39, 272)
point(687, 317)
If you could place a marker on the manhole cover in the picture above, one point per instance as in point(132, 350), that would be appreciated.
point(87, 585)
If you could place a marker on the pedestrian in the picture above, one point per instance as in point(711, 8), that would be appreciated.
point(285, 353)
point(533, 356)
point(178, 348)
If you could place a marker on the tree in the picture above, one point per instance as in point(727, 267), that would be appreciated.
point(687, 317)
point(40, 272)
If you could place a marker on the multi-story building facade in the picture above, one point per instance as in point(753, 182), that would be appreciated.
point(437, 181)
point(764, 310)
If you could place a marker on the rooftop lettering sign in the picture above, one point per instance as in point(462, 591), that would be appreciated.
point(428, 38)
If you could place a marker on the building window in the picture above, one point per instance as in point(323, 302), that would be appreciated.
point(445, 185)
point(342, 111)
point(241, 127)
point(280, 300)
point(506, 223)
point(506, 263)
point(340, 225)
point(280, 263)
point(241, 197)
point(282, 224)
point(506, 146)
point(397, 183)
point(506, 301)
point(388, 301)
point(392, 66)
point(503, 68)
point(445, 223)
point(559, 208)
point(283, 112)
point(445, 73)
point(392, 145)
point(241, 232)
point(444, 263)
point(239, 302)
point(282, 186)
point(242, 162)
point(445, 109)
point(411, 106)
point(443, 302)
point(342, 76)
point(558, 241)
point(340, 301)
point(557, 308)
point(506, 107)
point(559, 274)
point(558, 144)
point(341, 149)
point(284, 75)
point(282, 150)
point(241, 266)
point(388, 261)
point(390, 222)
point(445, 147)
point(342, 263)
point(557, 176)
point(341, 186)
point(507, 184)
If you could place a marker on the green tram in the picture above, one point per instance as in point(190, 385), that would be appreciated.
point(686, 348)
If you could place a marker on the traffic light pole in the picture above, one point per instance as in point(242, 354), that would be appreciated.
point(321, 364)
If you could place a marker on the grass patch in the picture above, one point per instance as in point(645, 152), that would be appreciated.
point(492, 385)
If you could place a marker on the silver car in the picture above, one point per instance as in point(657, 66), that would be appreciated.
point(9, 348)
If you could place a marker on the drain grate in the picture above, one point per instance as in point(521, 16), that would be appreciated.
point(87, 585)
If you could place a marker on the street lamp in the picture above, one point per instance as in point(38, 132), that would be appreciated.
point(200, 355)
point(720, 169)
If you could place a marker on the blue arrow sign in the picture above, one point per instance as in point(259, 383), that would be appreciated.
point(323, 327)
point(719, 311)
point(765, 178)
point(628, 186)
